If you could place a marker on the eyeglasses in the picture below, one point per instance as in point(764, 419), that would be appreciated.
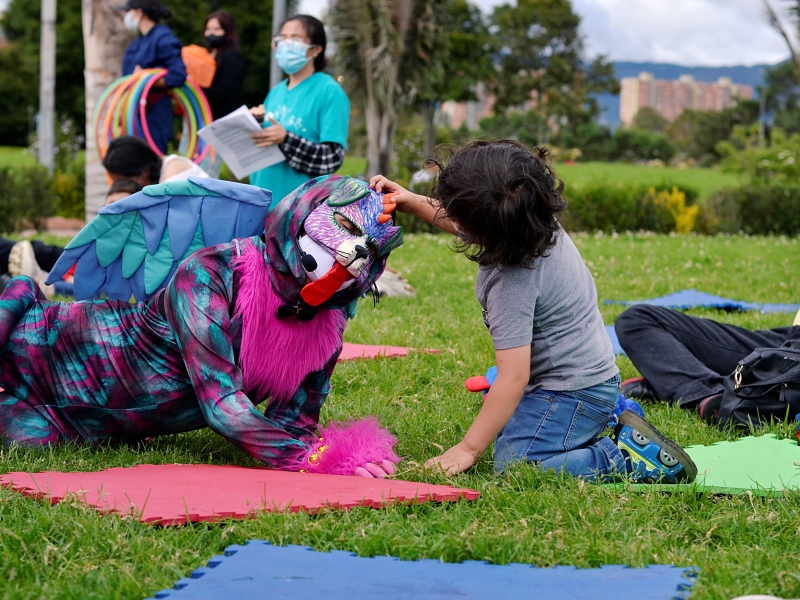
point(296, 39)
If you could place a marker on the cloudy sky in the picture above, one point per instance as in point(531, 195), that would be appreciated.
point(686, 32)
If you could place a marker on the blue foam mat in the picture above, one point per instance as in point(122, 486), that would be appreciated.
point(260, 570)
point(686, 299)
point(612, 335)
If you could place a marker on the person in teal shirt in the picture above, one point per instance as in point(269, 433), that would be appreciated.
point(306, 115)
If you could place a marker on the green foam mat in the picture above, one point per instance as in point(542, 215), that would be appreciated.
point(763, 465)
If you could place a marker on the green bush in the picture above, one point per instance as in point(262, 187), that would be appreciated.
point(620, 207)
point(638, 144)
point(753, 209)
point(69, 189)
point(26, 198)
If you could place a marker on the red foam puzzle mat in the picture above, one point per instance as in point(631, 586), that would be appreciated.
point(356, 351)
point(177, 494)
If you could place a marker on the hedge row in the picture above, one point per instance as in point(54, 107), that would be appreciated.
point(753, 209)
point(28, 195)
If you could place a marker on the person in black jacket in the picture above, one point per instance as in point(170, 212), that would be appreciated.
point(225, 93)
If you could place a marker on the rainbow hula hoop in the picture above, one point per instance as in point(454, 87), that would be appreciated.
point(122, 110)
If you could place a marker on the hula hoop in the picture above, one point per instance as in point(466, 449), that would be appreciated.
point(122, 110)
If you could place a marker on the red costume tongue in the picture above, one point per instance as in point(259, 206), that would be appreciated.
point(317, 292)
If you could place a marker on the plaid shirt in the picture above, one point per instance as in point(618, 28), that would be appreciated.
point(312, 159)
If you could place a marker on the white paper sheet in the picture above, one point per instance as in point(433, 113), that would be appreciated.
point(230, 136)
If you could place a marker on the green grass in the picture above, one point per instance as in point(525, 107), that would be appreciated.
point(353, 166)
point(741, 544)
point(12, 156)
point(705, 181)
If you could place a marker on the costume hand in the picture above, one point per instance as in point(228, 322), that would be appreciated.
point(456, 460)
point(270, 136)
point(405, 200)
point(375, 470)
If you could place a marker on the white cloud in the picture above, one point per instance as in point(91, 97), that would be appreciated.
point(688, 32)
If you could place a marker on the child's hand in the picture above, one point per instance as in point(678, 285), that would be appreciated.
point(406, 201)
point(456, 460)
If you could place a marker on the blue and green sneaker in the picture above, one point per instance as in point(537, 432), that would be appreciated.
point(650, 456)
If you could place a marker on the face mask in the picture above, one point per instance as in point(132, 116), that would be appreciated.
point(291, 56)
point(131, 21)
point(215, 41)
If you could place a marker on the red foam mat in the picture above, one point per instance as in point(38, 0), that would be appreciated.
point(356, 351)
point(175, 494)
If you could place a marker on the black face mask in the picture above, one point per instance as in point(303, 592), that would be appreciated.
point(215, 41)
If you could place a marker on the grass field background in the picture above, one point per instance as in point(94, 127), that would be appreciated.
point(704, 181)
point(741, 544)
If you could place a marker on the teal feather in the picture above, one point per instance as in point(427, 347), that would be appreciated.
point(110, 244)
point(178, 188)
point(98, 226)
point(135, 249)
point(197, 241)
point(157, 266)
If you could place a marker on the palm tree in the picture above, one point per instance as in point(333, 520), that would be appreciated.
point(104, 42)
point(775, 21)
point(374, 41)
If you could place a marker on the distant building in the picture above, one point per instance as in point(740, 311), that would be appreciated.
point(455, 114)
point(671, 97)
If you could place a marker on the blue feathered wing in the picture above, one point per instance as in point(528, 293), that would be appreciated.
point(133, 246)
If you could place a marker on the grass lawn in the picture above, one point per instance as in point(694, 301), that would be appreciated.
point(741, 544)
point(704, 181)
point(12, 156)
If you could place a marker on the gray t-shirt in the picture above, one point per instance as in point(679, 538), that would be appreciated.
point(552, 307)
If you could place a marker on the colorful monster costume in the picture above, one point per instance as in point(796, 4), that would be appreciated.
point(228, 331)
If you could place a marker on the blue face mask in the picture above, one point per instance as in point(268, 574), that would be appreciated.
point(291, 56)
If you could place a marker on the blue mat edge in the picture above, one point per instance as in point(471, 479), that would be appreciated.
point(683, 590)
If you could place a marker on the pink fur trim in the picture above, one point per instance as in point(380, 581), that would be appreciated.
point(277, 354)
point(351, 444)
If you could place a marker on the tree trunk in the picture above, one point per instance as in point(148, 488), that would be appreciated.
point(429, 129)
point(104, 42)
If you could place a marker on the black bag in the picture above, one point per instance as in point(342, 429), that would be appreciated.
point(764, 387)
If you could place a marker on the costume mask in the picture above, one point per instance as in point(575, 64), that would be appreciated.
point(354, 227)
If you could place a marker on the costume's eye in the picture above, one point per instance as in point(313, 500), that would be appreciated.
point(347, 224)
point(373, 250)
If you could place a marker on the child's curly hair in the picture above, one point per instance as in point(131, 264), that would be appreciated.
point(504, 198)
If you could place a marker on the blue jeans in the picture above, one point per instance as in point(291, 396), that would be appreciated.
point(558, 430)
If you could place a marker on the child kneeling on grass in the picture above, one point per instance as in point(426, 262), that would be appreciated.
point(557, 380)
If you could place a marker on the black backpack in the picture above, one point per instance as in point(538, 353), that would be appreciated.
point(764, 387)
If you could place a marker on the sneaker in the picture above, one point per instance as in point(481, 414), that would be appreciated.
point(22, 261)
point(709, 408)
point(650, 456)
point(639, 388)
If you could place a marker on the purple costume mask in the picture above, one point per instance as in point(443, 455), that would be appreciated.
point(365, 239)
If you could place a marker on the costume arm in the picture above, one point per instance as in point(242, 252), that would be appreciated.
point(198, 310)
point(300, 415)
point(310, 158)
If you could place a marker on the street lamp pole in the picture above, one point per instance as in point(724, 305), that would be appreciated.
point(278, 15)
point(47, 85)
